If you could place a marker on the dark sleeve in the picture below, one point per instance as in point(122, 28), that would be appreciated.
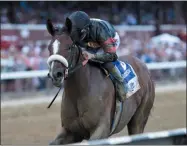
point(108, 43)
point(105, 57)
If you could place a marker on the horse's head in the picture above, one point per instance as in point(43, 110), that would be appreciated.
point(60, 49)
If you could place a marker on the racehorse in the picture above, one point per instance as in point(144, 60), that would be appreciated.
point(88, 103)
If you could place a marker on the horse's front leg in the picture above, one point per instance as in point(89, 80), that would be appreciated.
point(103, 128)
point(63, 137)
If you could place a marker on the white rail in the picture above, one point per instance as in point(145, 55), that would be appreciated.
point(43, 73)
point(145, 138)
point(118, 27)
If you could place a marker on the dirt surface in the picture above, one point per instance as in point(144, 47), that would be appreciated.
point(34, 124)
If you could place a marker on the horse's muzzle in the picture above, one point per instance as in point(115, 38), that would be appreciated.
point(58, 73)
point(57, 77)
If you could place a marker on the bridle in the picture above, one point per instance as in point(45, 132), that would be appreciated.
point(71, 67)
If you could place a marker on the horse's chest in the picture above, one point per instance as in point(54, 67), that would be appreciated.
point(72, 110)
point(79, 116)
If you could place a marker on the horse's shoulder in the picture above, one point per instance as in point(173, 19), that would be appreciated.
point(97, 66)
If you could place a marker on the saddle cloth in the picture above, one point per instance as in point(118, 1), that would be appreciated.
point(130, 79)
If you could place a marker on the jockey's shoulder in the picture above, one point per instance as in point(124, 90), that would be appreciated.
point(96, 20)
point(102, 24)
point(99, 22)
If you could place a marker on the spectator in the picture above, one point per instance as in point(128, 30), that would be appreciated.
point(37, 13)
point(146, 57)
point(4, 18)
point(131, 19)
point(43, 66)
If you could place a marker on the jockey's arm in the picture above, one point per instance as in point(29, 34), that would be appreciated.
point(108, 43)
point(106, 57)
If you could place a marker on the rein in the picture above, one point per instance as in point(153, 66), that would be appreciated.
point(71, 69)
point(54, 98)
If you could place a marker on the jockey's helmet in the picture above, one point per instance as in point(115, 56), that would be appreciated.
point(78, 25)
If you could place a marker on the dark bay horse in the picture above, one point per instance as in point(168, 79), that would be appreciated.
point(88, 102)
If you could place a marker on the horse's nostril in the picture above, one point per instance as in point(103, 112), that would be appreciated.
point(48, 75)
point(59, 74)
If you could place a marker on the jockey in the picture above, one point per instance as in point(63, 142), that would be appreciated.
point(96, 35)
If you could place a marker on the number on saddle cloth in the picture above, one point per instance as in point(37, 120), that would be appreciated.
point(130, 78)
point(125, 69)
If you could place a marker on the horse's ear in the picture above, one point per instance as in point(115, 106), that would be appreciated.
point(68, 25)
point(50, 27)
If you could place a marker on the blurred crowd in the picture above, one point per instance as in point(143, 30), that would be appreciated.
point(33, 56)
point(25, 57)
point(115, 12)
point(148, 52)
point(28, 55)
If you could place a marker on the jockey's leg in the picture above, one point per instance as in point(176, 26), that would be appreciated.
point(121, 93)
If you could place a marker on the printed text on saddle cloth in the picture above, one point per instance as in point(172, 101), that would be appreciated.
point(130, 78)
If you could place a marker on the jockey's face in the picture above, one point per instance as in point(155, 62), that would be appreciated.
point(75, 34)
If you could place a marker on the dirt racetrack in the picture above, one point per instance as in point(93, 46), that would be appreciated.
point(34, 124)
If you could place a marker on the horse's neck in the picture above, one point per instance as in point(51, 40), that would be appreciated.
point(81, 73)
point(79, 81)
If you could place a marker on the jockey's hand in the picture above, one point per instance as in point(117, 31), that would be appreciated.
point(88, 55)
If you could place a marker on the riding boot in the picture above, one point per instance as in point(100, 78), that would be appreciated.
point(120, 88)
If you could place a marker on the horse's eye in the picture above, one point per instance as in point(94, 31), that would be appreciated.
point(67, 47)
